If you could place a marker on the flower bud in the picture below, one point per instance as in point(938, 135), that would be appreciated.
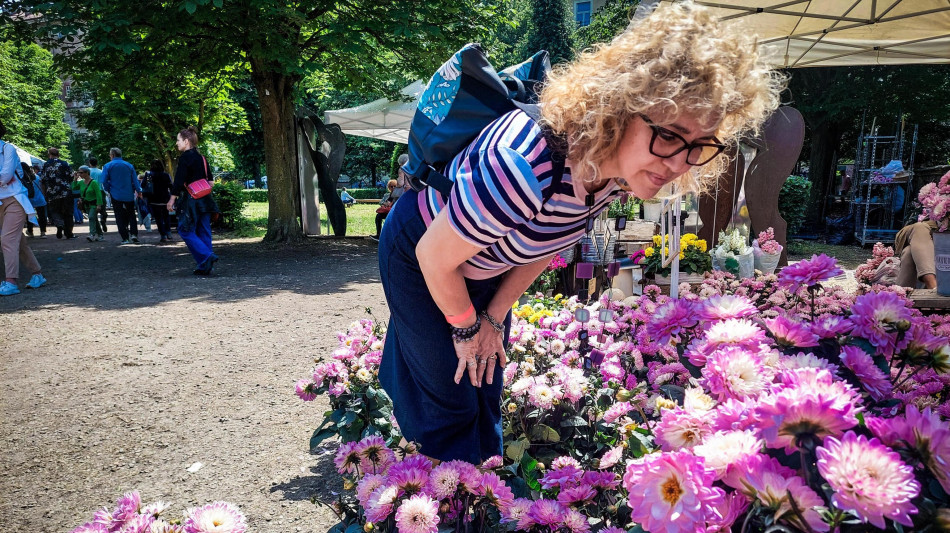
point(368, 527)
point(348, 484)
point(512, 408)
point(623, 395)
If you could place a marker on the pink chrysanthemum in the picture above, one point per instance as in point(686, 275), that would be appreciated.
point(143, 524)
point(671, 320)
point(735, 332)
point(542, 513)
point(878, 317)
point(366, 486)
point(790, 333)
point(810, 404)
point(807, 360)
point(832, 326)
point(127, 507)
point(409, 481)
point(375, 456)
point(443, 481)
point(306, 390)
point(516, 511)
point(725, 448)
point(91, 527)
point(347, 459)
point(564, 460)
point(418, 514)
point(577, 494)
point(543, 396)
point(616, 411)
point(493, 462)
point(734, 372)
point(873, 379)
point(809, 272)
point(380, 504)
point(575, 522)
point(680, 429)
point(926, 434)
point(492, 488)
point(216, 517)
point(868, 478)
point(671, 492)
point(560, 477)
point(772, 485)
point(725, 306)
point(611, 457)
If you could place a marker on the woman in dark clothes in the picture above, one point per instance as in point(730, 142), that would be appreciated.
point(194, 215)
point(158, 199)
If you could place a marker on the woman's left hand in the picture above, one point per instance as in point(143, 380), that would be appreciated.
point(490, 350)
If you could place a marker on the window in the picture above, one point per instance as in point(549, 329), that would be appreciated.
point(582, 13)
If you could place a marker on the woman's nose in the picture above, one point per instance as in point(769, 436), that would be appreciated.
point(677, 164)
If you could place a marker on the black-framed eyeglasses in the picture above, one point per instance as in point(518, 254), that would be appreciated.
point(666, 143)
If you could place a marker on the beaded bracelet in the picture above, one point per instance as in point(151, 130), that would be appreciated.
point(497, 326)
point(466, 334)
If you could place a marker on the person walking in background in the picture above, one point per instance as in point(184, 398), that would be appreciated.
point(78, 215)
point(157, 193)
point(90, 199)
point(107, 202)
point(38, 200)
point(122, 183)
point(141, 205)
point(194, 214)
point(57, 180)
point(15, 209)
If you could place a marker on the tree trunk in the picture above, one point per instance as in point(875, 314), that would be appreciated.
point(825, 138)
point(275, 93)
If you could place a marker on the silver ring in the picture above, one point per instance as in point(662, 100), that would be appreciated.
point(493, 357)
point(471, 363)
point(481, 361)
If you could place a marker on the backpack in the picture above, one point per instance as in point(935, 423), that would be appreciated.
point(464, 96)
point(20, 173)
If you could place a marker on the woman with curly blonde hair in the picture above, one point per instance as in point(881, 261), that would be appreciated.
point(658, 104)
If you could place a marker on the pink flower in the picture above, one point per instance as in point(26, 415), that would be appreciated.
point(773, 485)
point(726, 448)
point(577, 494)
point(494, 490)
point(734, 372)
point(516, 511)
point(347, 459)
point(542, 513)
point(305, 389)
point(91, 527)
point(873, 379)
point(790, 333)
point(611, 457)
point(375, 456)
point(409, 481)
point(878, 317)
point(443, 481)
point(671, 492)
point(671, 320)
point(127, 507)
point(616, 411)
point(561, 477)
point(418, 514)
point(830, 327)
point(722, 307)
point(810, 404)
point(924, 432)
point(380, 504)
point(575, 522)
point(868, 478)
point(727, 512)
point(734, 332)
point(492, 463)
point(366, 486)
point(216, 517)
point(809, 272)
point(733, 415)
point(680, 429)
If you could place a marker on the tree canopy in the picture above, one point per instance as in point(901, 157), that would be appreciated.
point(29, 101)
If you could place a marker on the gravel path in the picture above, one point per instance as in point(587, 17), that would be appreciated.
point(125, 370)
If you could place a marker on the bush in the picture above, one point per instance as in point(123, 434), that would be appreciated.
point(793, 202)
point(365, 193)
point(630, 210)
point(255, 195)
point(231, 199)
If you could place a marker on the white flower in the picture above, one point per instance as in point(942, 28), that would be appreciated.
point(724, 448)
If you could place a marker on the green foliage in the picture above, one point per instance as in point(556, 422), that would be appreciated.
point(793, 202)
point(367, 193)
point(30, 107)
point(606, 23)
point(398, 150)
point(255, 195)
point(246, 146)
point(631, 209)
point(551, 27)
point(231, 200)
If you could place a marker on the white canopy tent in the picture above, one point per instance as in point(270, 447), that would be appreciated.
point(793, 33)
point(26, 157)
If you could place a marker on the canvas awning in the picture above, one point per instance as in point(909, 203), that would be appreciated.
point(379, 119)
point(792, 33)
point(827, 33)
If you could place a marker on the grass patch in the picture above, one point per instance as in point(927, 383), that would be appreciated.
point(849, 257)
point(360, 220)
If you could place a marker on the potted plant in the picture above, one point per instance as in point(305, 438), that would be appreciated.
point(934, 198)
point(766, 251)
point(652, 209)
point(733, 254)
point(694, 259)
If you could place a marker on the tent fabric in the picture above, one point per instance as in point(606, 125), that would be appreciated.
point(830, 33)
point(792, 34)
point(379, 119)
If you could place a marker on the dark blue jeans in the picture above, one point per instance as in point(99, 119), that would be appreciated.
point(448, 421)
point(125, 218)
point(199, 240)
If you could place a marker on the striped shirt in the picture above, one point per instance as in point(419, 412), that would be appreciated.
point(497, 202)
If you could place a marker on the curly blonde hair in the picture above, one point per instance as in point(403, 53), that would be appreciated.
point(679, 59)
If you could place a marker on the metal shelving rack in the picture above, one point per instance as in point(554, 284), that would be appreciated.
point(872, 202)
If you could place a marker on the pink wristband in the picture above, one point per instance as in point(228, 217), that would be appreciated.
point(455, 319)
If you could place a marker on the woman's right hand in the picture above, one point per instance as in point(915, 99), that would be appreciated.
point(479, 356)
point(468, 360)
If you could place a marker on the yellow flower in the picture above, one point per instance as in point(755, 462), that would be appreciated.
point(682, 256)
point(558, 296)
point(648, 252)
point(691, 236)
point(701, 244)
point(657, 240)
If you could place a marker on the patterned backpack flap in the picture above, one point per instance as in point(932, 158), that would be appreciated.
point(464, 95)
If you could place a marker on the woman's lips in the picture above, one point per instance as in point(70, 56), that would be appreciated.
point(657, 179)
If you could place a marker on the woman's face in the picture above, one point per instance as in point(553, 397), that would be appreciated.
point(183, 144)
point(638, 171)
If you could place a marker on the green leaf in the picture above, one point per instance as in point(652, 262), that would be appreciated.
point(544, 433)
point(574, 421)
point(320, 435)
point(339, 527)
point(191, 7)
point(516, 449)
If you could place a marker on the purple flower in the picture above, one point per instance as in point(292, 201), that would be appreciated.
point(878, 317)
point(560, 477)
point(492, 488)
point(671, 491)
point(832, 326)
point(493, 462)
point(616, 411)
point(347, 458)
point(873, 379)
point(762, 478)
point(576, 494)
point(375, 456)
point(671, 320)
point(680, 429)
point(924, 432)
point(790, 333)
point(542, 513)
point(306, 390)
point(418, 514)
point(868, 478)
point(722, 307)
point(216, 517)
point(734, 415)
point(809, 272)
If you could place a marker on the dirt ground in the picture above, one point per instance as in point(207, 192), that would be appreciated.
point(126, 369)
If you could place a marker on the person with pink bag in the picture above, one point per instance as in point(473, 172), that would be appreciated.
point(191, 198)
